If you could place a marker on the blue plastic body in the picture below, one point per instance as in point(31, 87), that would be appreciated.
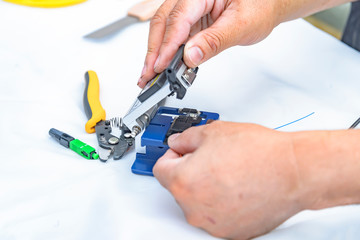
point(154, 136)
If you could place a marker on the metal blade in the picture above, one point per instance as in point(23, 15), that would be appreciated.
point(112, 28)
point(139, 108)
point(104, 154)
point(122, 147)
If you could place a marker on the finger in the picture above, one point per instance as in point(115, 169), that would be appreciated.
point(184, 15)
point(188, 141)
point(156, 35)
point(211, 41)
point(164, 168)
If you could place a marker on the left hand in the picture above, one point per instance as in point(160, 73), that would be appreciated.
point(207, 27)
point(233, 180)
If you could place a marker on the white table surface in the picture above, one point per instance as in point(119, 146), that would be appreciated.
point(49, 192)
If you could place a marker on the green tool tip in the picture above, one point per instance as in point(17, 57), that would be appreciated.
point(95, 156)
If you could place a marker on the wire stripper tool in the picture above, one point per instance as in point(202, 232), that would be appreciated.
point(108, 143)
point(175, 80)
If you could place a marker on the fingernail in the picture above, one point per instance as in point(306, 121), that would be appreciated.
point(139, 81)
point(195, 55)
point(143, 71)
point(156, 63)
point(173, 137)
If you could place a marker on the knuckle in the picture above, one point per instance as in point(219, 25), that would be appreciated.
point(151, 50)
point(158, 170)
point(179, 186)
point(158, 19)
point(174, 15)
point(174, 19)
point(166, 41)
point(214, 40)
point(193, 219)
point(157, 167)
point(213, 128)
point(219, 233)
point(216, 124)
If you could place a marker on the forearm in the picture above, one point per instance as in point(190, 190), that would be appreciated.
point(292, 9)
point(328, 167)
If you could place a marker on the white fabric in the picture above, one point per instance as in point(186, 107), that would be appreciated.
point(49, 192)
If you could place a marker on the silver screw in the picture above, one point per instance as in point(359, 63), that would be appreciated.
point(102, 139)
point(113, 140)
point(135, 131)
point(127, 135)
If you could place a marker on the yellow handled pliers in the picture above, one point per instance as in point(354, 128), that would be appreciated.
point(108, 143)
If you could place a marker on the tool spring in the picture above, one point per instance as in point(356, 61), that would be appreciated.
point(135, 131)
point(116, 122)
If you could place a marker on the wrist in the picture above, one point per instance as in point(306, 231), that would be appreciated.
point(288, 10)
point(328, 165)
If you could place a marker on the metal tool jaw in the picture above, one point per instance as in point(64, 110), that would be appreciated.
point(175, 80)
point(179, 75)
point(110, 144)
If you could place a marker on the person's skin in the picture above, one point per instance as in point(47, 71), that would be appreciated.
point(211, 26)
point(242, 180)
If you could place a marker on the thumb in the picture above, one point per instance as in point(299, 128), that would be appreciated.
point(211, 41)
point(188, 141)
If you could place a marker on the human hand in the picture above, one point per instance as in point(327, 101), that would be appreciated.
point(233, 180)
point(208, 26)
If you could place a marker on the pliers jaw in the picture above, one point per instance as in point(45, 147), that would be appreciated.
point(176, 79)
point(110, 144)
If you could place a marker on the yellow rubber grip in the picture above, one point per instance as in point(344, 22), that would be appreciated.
point(46, 3)
point(93, 109)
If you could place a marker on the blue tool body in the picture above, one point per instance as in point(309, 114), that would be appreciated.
point(155, 136)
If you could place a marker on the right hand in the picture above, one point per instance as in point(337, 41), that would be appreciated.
point(233, 180)
point(208, 27)
point(239, 180)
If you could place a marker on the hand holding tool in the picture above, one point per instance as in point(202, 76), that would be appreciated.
point(176, 79)
point(141, 12)
point(167, 121)
point(76, 145)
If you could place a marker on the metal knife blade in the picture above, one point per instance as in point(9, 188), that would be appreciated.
point(112, 28)
point(141, 12)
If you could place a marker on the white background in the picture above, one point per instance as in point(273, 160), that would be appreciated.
point(49, 192)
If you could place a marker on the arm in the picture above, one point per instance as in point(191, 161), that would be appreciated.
point(242, 180)
point(329, 163)
point(210, 26)
point(293, 9)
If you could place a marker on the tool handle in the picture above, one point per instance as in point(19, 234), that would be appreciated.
point(145, 10)
point(93, 109)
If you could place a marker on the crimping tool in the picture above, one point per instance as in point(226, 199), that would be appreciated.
point(166, 122)
point(108, 143)
point(175, 80)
